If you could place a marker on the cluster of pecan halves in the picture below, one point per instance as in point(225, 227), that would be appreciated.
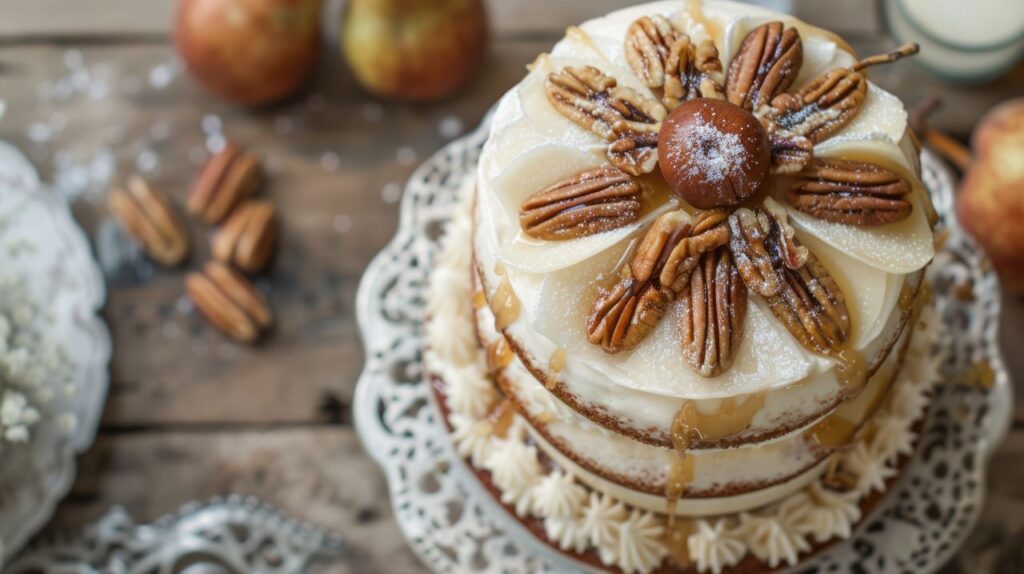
point(246, 239)
point(709, 261)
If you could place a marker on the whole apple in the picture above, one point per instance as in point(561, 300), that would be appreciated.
point(416, 50)
point(990, 204)
point(249, 52)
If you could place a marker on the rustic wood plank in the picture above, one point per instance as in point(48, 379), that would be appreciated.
point(109, 19)
point(332, 156)
point(51, 18)
point(317, 474)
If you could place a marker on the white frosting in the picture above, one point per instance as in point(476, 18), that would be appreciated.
point(558, 496)
point(472, 437)
point(641, 548)
point(890, 435)
point(567, 533)
point(772, 539)
point(471, 392)
point(515, 470)
point(869, 466)
point(714, 547)
point(829, 514)
point(600, 524)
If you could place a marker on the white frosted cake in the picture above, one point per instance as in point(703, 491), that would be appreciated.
point(679, 322)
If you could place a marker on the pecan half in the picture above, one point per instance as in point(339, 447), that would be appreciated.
point(593, 201)
point(148, 217)
point(596, 102)
point(624, 315)
point(693, 71)
point(831, 101)
point(247, 238)
point(790, 154)
point(713, 308)
point(670, 249)
point(797, 287)
point(850, 192)
point(225, 180)
point(813, 308)
point(763, 244)
point(660, 268)
point(649, 41)
point(229, 302)
point(821, 108)
point(768, 61)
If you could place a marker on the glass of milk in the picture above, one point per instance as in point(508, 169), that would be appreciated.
point(961, 41)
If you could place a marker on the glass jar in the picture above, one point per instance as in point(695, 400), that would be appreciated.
point(961, 41)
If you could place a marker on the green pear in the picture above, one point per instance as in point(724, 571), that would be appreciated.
point(417, 50)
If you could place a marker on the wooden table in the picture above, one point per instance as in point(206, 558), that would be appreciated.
point(191, 415)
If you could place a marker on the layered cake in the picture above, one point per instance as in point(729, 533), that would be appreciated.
point(680, 320)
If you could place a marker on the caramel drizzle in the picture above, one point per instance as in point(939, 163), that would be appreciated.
point(731, 418)
point(505, 305)
point(676, 541)
point(479, 300)
point(556, 365)
point(833, 431)
point(654, 194)
point(852, 371)
point(501, 418)
point(499, 355)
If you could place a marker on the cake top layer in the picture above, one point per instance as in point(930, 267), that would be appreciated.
point(702, 200)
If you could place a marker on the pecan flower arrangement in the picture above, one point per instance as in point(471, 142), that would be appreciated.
point(737, 146)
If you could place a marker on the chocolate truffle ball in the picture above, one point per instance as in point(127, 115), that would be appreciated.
point(713, 153)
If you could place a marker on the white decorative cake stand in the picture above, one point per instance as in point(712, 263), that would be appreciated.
point(41, 245)
point(454, 524)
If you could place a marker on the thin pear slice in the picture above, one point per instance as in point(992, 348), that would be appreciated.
point(768, 357)
point(901, 247)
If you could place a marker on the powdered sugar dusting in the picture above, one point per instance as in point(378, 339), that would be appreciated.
point(709, 153)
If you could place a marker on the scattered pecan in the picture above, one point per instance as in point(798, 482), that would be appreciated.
point(713, 308)
point(248, 236)
point(826, 105)
point(597, 103)
point(813, 308)
point(593, 201)
point(768, 61)
point(850, 192)
point(228, 177)
point(763, 244)
point(660, 269)
point(229, 302)
point(790, 154)
point(149, 218)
